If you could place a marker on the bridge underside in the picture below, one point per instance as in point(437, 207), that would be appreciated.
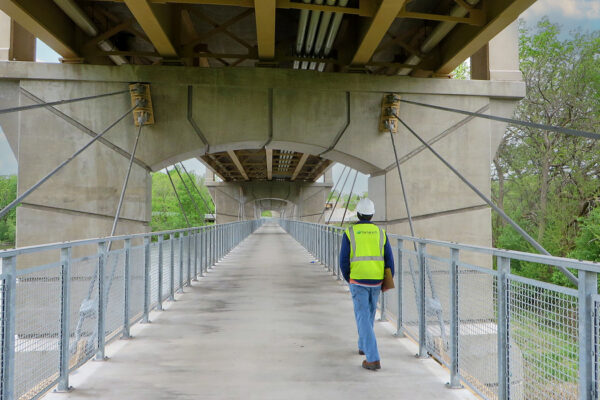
point(265, 323)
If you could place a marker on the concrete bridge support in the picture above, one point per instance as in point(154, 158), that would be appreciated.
point(332, 115)
point(246, 200)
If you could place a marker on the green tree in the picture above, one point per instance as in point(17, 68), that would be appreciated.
point(547, 181)
point(8, 223)
point(166, 212)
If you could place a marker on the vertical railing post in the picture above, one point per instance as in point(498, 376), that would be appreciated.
point(503, 329)
point(204, 251)
point(172, 268)
point(454, 356)
point(181, 245)
point(196, 240)
point(159, 306)
point(146, 317)
point(422, 321)
point(189, 258)
point(9, 270)
point(338, 245)
point(101, 315)
point(127, 285)
point(382, 311)
point(399, 288)
point(588, 287)
point(65, 308)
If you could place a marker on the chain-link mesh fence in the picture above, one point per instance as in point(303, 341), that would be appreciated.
point(543, 340)
point(37, 331)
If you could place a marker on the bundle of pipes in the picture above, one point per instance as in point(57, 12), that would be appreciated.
point(439, 33)
point(313, 42)
point(84, 22)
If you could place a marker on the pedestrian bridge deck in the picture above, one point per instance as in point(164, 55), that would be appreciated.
point(265, 323)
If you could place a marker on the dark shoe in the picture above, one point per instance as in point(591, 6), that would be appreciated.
point(375, 365)
point(360, 352)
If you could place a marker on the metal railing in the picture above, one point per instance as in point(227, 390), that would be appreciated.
point(56, 316)
point(502, 335)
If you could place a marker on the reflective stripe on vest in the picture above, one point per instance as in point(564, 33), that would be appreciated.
point(366, 253)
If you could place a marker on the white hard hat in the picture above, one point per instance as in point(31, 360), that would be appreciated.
point(365, 207)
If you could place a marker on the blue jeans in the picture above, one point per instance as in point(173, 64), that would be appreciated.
point(365, 304)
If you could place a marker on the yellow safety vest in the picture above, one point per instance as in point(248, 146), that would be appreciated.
point(367, 242)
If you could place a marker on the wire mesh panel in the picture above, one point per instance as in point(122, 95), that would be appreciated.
point(410, 304)
point(437, 308)
point(83, 341)
point(37, 331)
point(596, 348)
point(478, 331)
point(3, 304)
point(136, 294)
point(153, 275)
point(543, 340)
point(176, 249)
point(166, 268)
point(114, 289)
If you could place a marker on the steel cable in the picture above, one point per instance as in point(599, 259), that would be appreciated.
point(188, 191)
point(557, 129)
point(520, 230)
point(340, 195)
point(333, 191)
point(19, 199)
point(59, 102)
point(197, 190)
point(178, 199)
point(349, 198)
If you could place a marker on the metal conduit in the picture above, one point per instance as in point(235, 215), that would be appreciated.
point(80, 18)
point(439, 33)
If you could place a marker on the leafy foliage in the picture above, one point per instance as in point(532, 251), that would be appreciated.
point(166, 212)
point(8, 192)
point(548, 182)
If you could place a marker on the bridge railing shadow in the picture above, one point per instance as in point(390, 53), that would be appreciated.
point(502, 335)
point(56, 316)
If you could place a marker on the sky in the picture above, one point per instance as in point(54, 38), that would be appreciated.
point(570, 14)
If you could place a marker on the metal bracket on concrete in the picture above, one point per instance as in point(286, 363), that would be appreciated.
point(390, 106)
point(140, 96)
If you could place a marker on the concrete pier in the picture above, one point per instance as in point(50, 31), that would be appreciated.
point(265, 323)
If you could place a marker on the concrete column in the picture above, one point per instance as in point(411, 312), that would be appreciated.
point(4, 36)
point(80, 201)
point(499, 59)
point(16, 44)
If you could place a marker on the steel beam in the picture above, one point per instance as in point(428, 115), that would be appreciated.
point(465, 40)
point(381, 22)
point(300, 165)
point(269, 163)
point(265, 28)
point(155, 20)
point(238, 164)
point(46, 21)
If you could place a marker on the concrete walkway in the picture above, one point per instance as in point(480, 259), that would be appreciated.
point(266, 323)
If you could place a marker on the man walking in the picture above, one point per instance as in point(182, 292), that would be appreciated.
point(365, 252)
